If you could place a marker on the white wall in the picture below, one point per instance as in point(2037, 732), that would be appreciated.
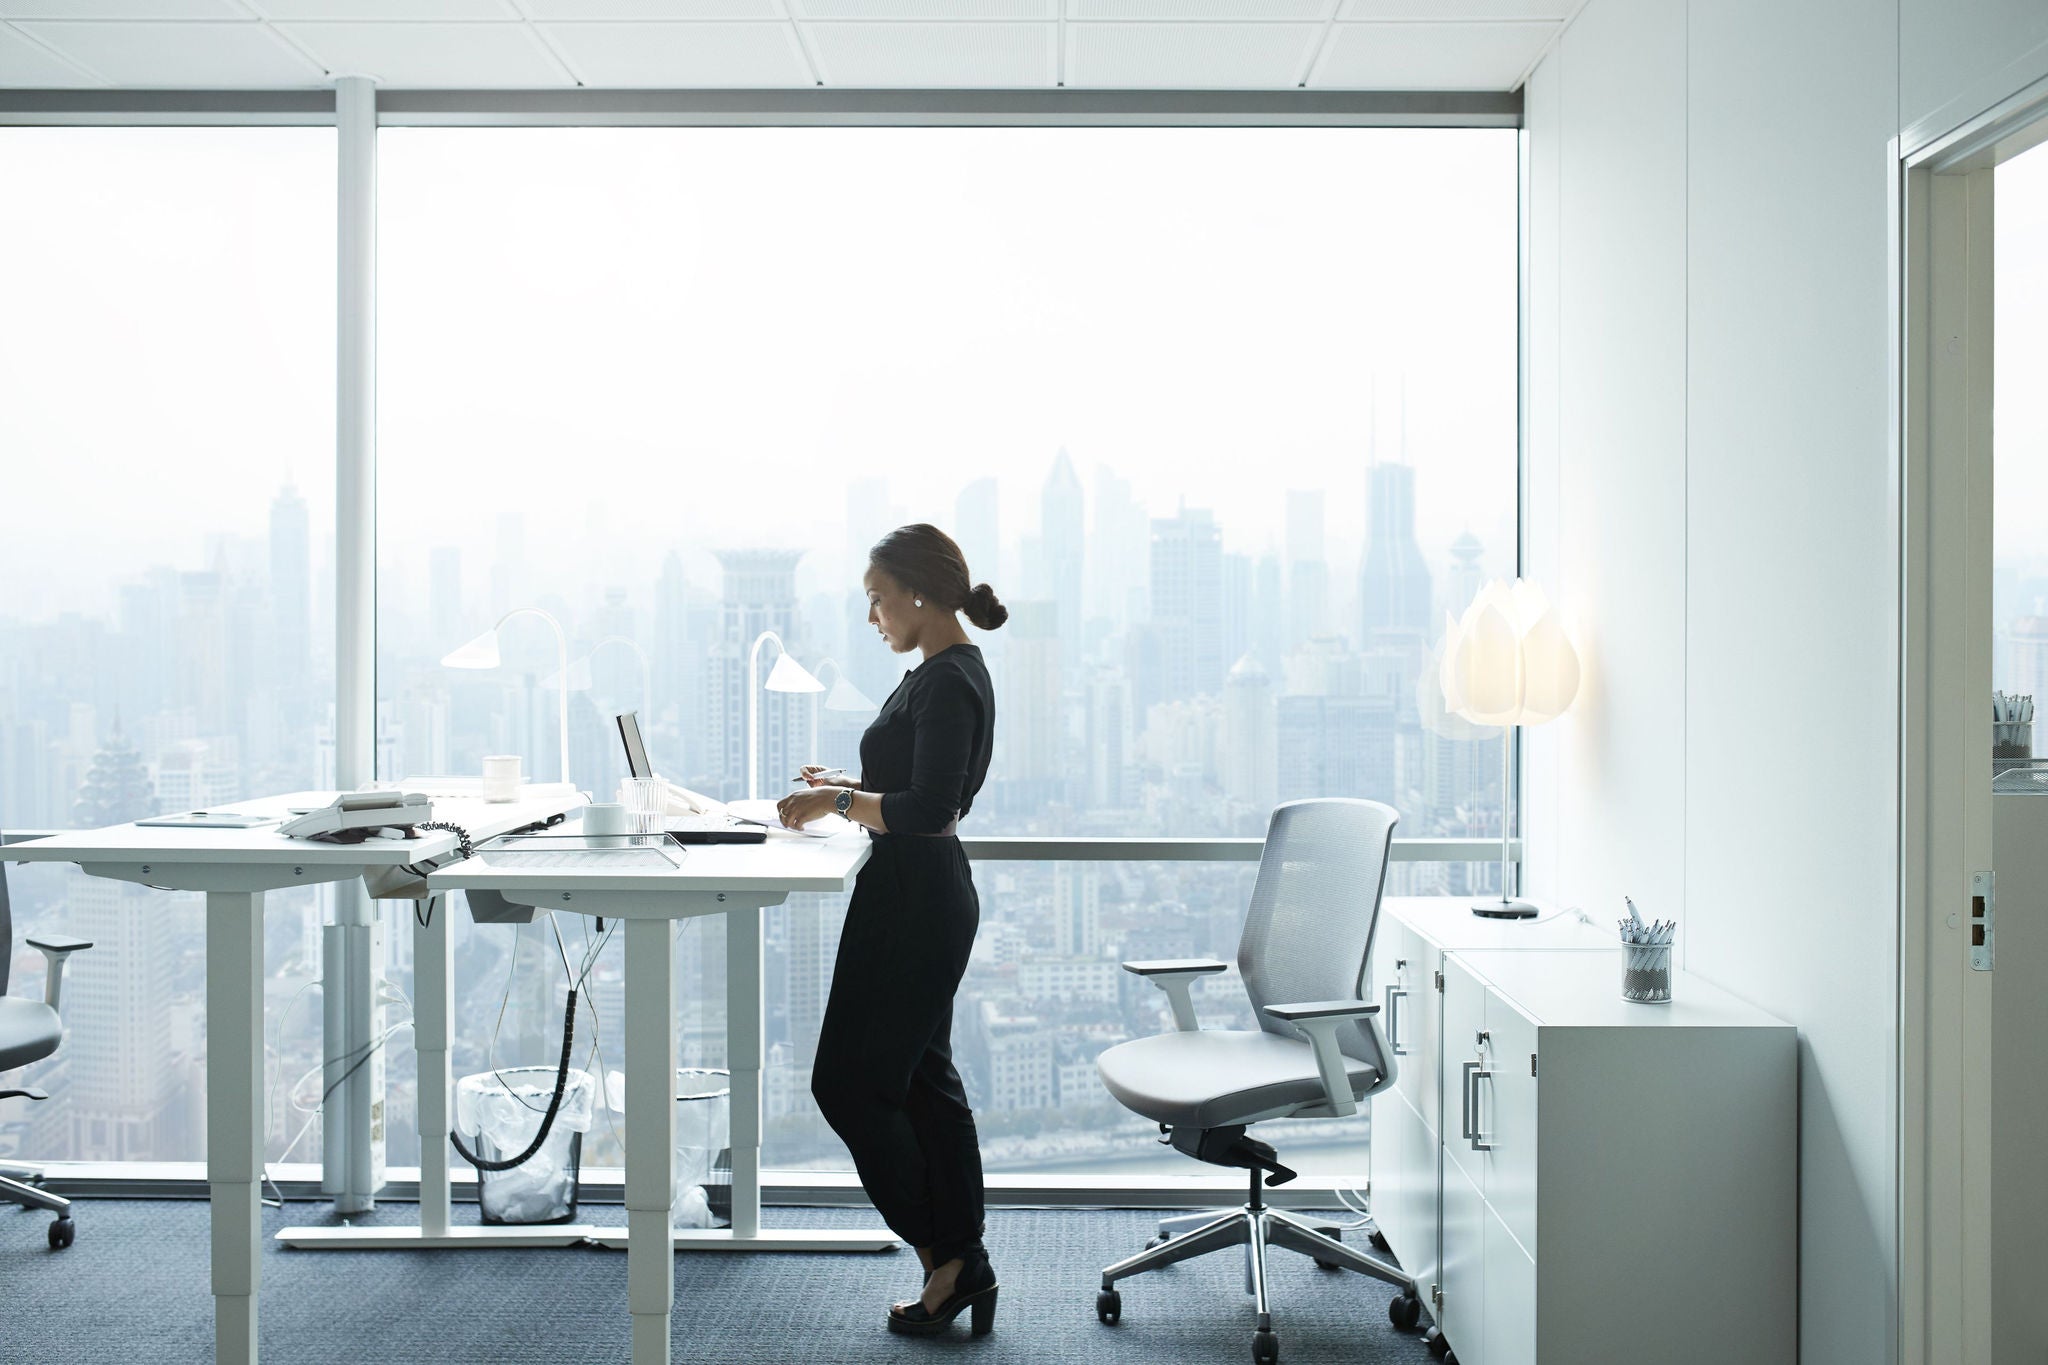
point(1709, 497)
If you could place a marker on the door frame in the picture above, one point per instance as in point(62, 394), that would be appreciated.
point(1941, 240)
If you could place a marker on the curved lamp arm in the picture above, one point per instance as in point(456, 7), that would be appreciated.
point(562, 694)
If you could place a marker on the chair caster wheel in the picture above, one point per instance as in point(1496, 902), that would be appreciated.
point(63, 1233)
point(1265, 1348)
point(1158, 1241)
point(1405, 1311)
point(1438, 1347)
point(1109, 1307)
point(1335, 1235)
point(1380, 1242)
point(1322, 1264)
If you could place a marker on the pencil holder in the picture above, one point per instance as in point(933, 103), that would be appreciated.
point(2012, 744)
point(1646, 973)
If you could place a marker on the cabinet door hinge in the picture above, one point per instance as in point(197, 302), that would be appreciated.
point(1436, 1295)
point(1439, 981)
point(1983, 916)
point(1532, 1064)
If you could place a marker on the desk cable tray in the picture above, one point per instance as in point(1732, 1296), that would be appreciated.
point(2026, 777)
point(601, 851)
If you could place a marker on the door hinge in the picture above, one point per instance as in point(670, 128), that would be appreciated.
point(1983, 917)
point(1532, 1064)
point(1439, 981)
point(1436, 1295)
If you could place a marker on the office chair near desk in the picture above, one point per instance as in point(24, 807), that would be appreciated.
point(1317, 1053)
point(29, 1032)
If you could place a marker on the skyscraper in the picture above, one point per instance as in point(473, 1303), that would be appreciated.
point(976, 528)
point(1308, 568)
point(445, 615)
point(1109, 738)
point(1393, 581)
point(1076, 909)
point(1063, 543)
point(760, 594)
point(1032, 732)
point(1187, 601)
point(1118, 542)
point(1249, 758)
point(1465, 580)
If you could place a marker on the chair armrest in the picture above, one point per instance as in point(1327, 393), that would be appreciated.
point(1319, 1020)
point(56, 950)
point(1176, 977)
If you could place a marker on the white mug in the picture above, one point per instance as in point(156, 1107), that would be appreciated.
point(501, 777)
point(605, 819)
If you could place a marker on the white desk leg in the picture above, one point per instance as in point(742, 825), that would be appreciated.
point(234, 1122)
point(433, 1022)
point(650, 1134)
point(743, 1029)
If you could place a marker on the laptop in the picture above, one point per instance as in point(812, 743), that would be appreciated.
point(684, 829)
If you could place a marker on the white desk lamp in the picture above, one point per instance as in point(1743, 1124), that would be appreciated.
point(482, 652)
point(580, 677)
point(1507, 662)
point(787, 676)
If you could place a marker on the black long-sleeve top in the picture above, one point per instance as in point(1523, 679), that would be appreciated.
point(927, 751)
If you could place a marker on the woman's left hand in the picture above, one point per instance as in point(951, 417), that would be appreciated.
point(800, 808)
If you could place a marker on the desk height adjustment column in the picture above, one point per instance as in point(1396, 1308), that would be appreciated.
point(650, 1134)
point(234, 1139)
point(744, 1026)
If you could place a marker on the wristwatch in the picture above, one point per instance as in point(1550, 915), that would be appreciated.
point(843, 802)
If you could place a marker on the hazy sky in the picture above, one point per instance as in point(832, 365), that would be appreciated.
point(675, 337)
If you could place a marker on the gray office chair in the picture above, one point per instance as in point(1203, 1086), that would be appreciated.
point(1317, 1053)
point(29, 1032)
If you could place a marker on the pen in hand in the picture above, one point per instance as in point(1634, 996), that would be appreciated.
point(829, 772)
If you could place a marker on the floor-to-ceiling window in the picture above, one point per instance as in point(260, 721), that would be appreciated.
point(2020, 430)
point(166, 581)
point(1227, 418)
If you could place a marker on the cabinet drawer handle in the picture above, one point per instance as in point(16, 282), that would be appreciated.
point(1394, 996)
point(1465, 1101)
point(1475, 1072)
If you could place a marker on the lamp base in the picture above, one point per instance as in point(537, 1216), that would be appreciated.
point(1505, 909)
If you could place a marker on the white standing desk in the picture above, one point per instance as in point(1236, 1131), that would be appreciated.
point(734, 880)
point(234, 867)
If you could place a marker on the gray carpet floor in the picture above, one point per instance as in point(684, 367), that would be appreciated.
point(134, 1288)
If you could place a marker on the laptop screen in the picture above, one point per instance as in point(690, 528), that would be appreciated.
point(636, 751)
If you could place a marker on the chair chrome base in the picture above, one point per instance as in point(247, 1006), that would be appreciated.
point(28, 1196)
point(1254, 1227)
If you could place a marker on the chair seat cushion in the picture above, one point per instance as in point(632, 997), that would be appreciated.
point(1212, 1078)
point(28, 1031)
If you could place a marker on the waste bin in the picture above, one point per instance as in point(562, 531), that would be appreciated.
point(498, 1112)
point(703, 1156)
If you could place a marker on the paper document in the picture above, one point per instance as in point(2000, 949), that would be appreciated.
point(762, 812)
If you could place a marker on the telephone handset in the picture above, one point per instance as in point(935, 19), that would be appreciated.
point(360, 811)
point(680, 800)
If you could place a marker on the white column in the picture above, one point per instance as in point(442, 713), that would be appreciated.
point(743, 1029)
point(650, 1134)
point(433, 1023)
point(346, 1159)
point(234, 1118)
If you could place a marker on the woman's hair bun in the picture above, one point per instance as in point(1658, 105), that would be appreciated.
point(982, 608)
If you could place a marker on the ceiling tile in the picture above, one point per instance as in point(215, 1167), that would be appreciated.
point(1454, 11)
point(1218, 56)
point(661, 56)
point(1247, 10)
point(990, 56)
point(299, 11)
point(1400, 56)
point(24, 65)
point(570, 10)
point(153, 55)
point(123, 9)
point(925, 9)
point(432, 55)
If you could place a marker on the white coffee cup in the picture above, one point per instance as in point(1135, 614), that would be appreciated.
point(501, 777)
point(605, 819)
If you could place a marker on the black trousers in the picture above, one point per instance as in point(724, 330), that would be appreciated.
point(884, 1075)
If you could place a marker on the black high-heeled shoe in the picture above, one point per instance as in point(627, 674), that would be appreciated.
point(974, 1290)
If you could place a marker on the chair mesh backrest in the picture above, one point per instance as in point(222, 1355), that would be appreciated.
point(6, 931)
point(1313, 911)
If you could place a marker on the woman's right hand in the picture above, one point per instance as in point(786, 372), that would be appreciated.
point(814, 774)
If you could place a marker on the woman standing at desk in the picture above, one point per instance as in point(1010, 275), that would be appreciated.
point(884, 1076)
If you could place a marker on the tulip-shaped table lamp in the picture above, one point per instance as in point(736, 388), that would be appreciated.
point(1507, 662)
point(787, 676)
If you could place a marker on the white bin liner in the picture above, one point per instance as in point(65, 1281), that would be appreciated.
point(703, 1130)
point(505, 1107)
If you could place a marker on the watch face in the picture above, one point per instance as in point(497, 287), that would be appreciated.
point(844, 801)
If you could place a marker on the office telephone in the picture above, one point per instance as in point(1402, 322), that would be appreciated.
point(365, 811)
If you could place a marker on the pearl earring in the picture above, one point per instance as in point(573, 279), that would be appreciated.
point(917, 601)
